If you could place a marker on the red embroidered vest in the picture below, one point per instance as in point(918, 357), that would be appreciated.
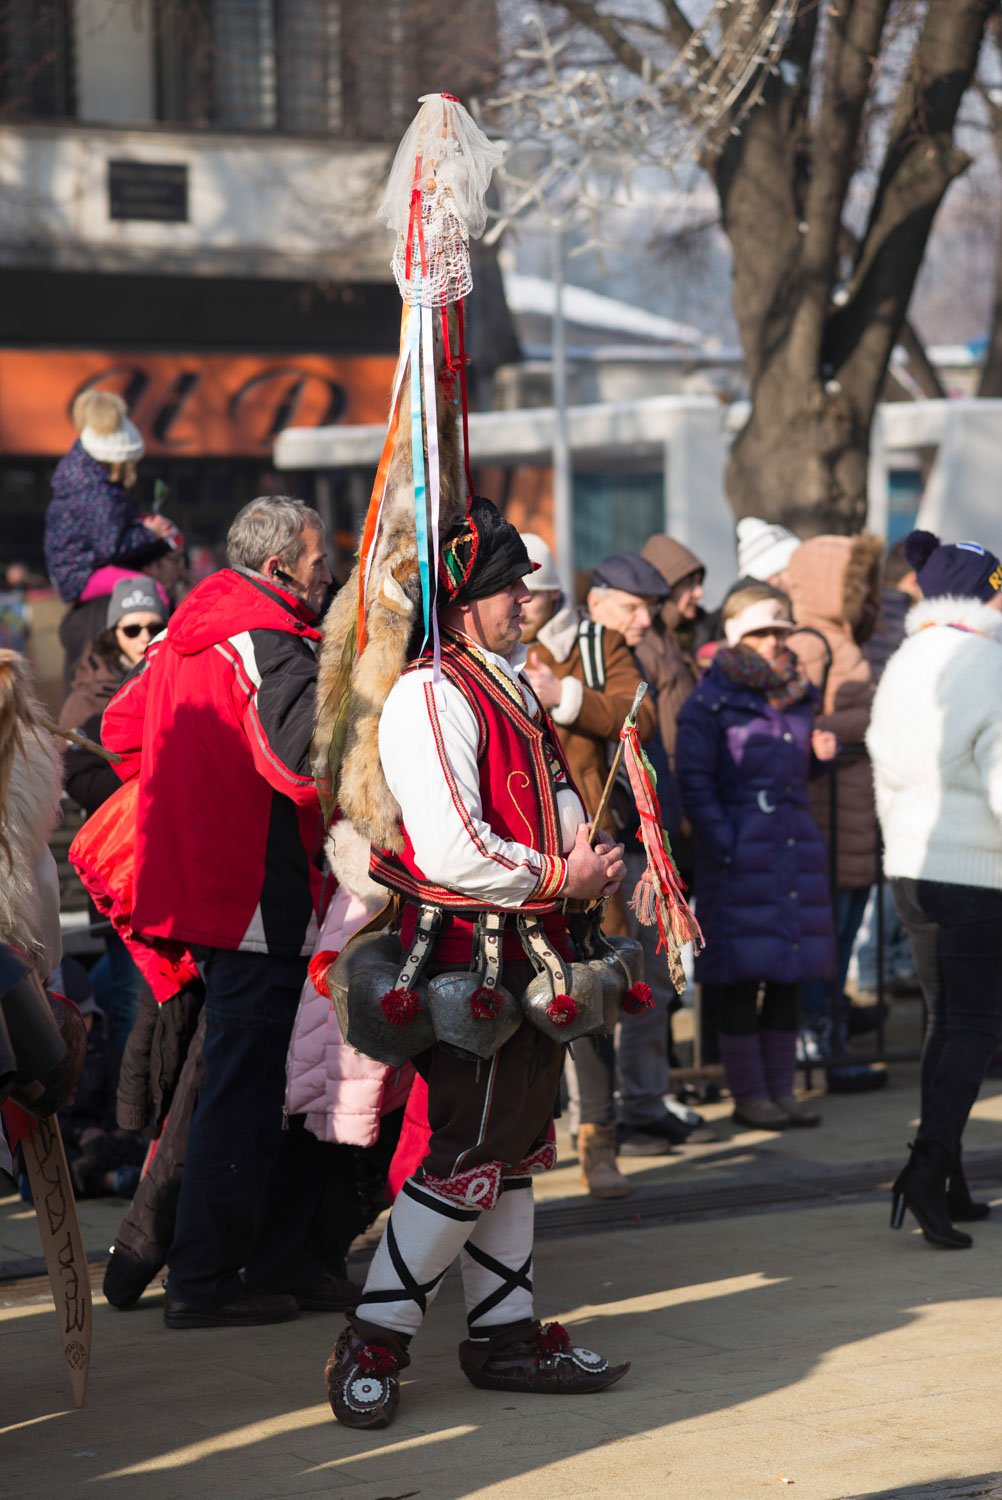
point(521, 768)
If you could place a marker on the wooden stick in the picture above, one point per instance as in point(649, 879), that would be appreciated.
point(62, 1242)
point(617, 761)
point(78, 739)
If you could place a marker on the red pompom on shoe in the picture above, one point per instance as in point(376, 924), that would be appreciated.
point(485, 1004)
point(320, 968)
point(638, 999)
point(400, 1006)
point(375, 1359)
point(552, 1338)
point(562, 1010)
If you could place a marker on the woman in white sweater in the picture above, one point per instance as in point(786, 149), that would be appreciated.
point(935, 740)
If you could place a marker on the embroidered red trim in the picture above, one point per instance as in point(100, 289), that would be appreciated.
point(479, 1187)
point(375, 1359)
point(485, 1004)
point(319, 970)
point(638, 999)
point(400, 1006)
point(543, 1159)
point(562, 1010)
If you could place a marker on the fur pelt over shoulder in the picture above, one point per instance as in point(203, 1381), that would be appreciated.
point(351, 691)
point(29, 813)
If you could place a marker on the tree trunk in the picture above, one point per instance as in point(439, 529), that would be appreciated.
point(816, 357)
point(802, 457)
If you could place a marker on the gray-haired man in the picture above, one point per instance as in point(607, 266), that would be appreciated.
point(217, 728)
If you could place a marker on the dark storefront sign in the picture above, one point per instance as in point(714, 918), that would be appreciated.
point(148, 190)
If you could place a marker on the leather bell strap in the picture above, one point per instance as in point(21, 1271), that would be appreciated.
point(487, 952)
point(543, 957)
point(426, 930)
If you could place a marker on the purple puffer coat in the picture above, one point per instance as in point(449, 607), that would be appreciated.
point(90, 522)
point(761, 868)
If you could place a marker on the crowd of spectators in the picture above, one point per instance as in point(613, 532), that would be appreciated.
point(205, 851)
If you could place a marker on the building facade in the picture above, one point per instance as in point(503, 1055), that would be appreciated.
point(190, 193)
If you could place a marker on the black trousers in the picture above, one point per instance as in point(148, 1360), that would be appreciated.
point(734, 1007)
point(955, 933)
point(250, 1188)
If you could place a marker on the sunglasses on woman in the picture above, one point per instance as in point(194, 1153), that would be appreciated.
point(132, 631)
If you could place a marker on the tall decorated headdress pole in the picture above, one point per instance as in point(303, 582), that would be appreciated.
point(435, 200)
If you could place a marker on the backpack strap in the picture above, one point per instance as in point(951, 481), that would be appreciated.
point(592, 656)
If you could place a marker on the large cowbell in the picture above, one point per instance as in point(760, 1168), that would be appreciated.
point(618, 961)
point(473, 1014)
point(564, 1001)
point(387, 1000)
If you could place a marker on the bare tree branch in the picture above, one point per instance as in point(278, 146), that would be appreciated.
point(604, 27)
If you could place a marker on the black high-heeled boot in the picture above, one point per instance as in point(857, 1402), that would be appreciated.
point(921, 1186)
point(959, 1204)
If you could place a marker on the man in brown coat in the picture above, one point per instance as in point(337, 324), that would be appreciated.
point(582, 669)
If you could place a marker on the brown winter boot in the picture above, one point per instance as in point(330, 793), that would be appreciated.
point(597, 1152)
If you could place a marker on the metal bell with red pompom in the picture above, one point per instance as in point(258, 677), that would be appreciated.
point(638, 998)
point(319, 970)
point(562, 1010)
point(485, 1004)
point(400, 1007)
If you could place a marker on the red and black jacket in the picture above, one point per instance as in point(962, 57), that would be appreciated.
point(217, 727)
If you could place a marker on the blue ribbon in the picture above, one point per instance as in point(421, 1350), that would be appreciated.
point(417, 456)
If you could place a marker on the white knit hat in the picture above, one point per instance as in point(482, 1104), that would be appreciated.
point(545, 576)
point(764, 614)
point(122, 446)
point(764, 548)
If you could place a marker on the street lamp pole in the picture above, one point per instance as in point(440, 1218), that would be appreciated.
point(563, 525)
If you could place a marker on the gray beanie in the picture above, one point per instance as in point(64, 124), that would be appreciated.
point(132, 595)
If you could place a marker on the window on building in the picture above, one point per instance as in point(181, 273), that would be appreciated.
point(333, 67)
point(36, 59)
point(615, 512)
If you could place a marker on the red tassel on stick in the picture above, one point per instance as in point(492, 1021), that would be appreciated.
point(659, 896)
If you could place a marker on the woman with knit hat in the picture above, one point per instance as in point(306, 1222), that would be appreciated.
point(745, 743)
point(135, 614)
point(92, 525)
point(935, 741)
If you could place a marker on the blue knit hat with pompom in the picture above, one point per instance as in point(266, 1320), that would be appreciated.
point(965, 570)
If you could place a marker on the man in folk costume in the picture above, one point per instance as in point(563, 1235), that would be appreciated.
point(434, 749)
point(490, 819)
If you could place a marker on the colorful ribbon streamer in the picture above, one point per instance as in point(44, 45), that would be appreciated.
point(658, 896)
point(434, 475)
point(417, 458)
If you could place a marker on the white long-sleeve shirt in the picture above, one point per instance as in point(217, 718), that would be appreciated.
point(461, 853)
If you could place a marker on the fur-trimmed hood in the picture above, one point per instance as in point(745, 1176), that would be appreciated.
point(560, 632)
point(950, 610)
point(835, 580)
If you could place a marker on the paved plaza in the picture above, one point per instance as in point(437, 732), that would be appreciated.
point(782, 1339)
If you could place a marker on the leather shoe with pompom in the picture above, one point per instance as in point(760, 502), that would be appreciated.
point(536, 1359)
point(362, 1374)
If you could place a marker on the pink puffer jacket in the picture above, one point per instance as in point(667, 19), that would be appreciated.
point(342, 1094)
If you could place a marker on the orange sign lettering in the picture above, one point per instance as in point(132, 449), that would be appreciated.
point(189, 406)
